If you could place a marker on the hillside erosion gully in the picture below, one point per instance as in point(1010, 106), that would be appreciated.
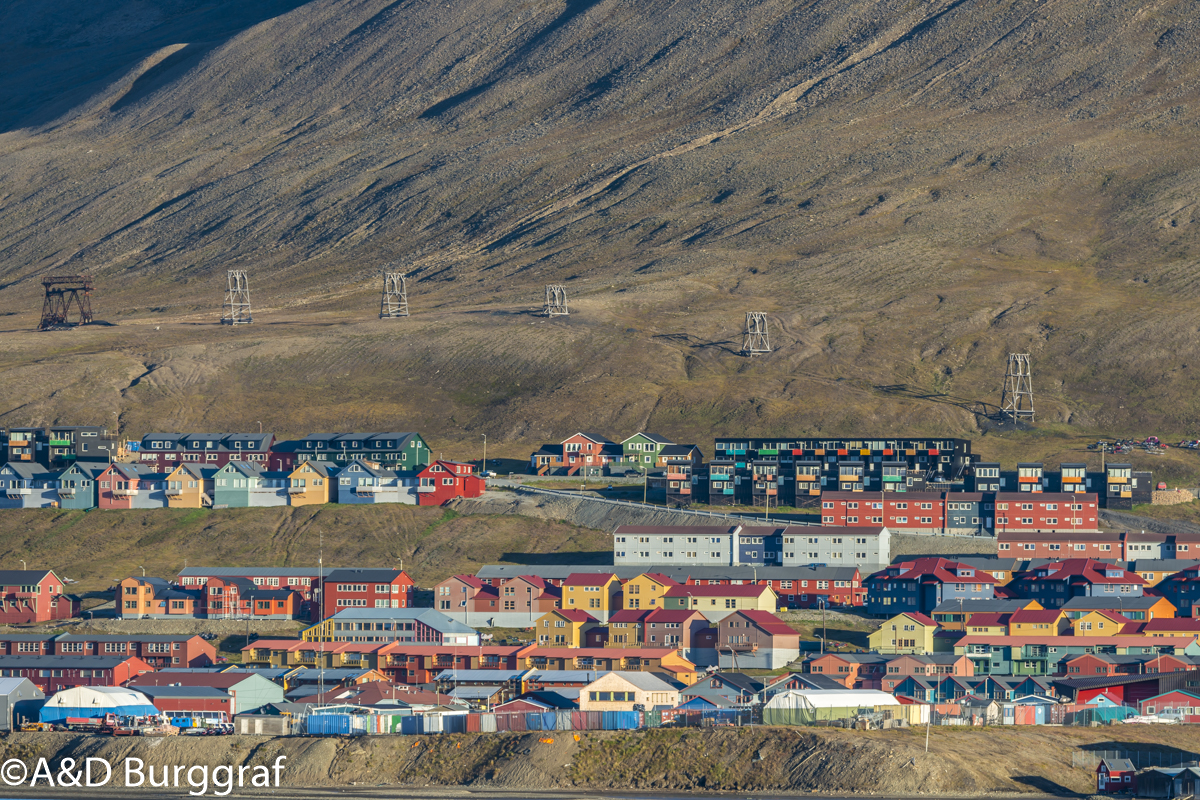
point(894, 762)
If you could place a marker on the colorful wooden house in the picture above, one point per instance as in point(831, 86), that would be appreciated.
point(367, 482)
point(641, 450)
point(1040, 622)
point(191, 485)
point(28, 485)
point(78, 485)
point(589, 454)
point(597, 594)
point(904, 633)
point(313, 483)
point(126, 486)
point(242, 484)
point(564, 627)
point(144, 597)
point(1116, 776)
point(442, 481)
point(646, 590)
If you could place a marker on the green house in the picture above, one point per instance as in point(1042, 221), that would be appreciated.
point(642, 449)
point(244, 484)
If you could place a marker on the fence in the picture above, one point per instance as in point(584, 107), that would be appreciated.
point(1090, 759)
point(915, 714)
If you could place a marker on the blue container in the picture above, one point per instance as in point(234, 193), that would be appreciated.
point(329, 724)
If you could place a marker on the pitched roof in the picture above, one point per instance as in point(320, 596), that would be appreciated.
point(366, 575)
point(586, 579)
point(630, 615)
point(23, 577)
point(933, 569)
point(724, 590)
point(573, 615)
point(644, 681)
point(1082, 569)
point(990, 619)
point(1030, 616)
point(766, 621)
point(658, 577)
point(972, 606)
point(672, 615)
point(1094, 603)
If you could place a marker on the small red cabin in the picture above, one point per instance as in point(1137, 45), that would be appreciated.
point(1116, 776)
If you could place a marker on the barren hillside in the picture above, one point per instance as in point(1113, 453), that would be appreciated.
point(910, 191)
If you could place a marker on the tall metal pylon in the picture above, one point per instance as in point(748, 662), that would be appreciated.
point(237, 299)
point(556, 301)
point(395, 295)
point(63, 292)
point(755, 339)
point(1016, 399)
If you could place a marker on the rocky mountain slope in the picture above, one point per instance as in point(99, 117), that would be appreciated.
point(909, 191)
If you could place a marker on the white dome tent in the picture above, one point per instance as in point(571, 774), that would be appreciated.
point(96, 701)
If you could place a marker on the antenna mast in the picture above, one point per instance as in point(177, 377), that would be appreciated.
point(556, 301)
point(755, 340)
point(1016, 399)
point(395, 294)
point(237, 299)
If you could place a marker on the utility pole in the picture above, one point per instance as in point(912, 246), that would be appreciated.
point(483, 467)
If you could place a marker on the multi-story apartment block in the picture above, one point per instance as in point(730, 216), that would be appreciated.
point(165, 451)
point(927, 461)
point(395, 450)
point(57, 447)
point(923, 584)
point(762, 545)
point(1021, 512)
point(1053, 584)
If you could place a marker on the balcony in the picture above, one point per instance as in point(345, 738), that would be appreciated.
point(60, 442)
point(296, 490)
point(18, 443)
point(426, 489)
point(741, 648)
point(678, 476)
point(23, 457)
point(16, 492)
point(126, 492)
point(63, 492)
point(364, 489)
point(174, 492)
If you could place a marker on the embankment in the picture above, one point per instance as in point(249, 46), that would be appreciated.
point(590, 512)
point(962, 761)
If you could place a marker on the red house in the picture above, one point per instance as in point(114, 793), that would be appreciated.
point(157, 650)
point(125, 486)
point(1116, 776)
point(29, 596)
point(236, 598)
point(365, 588)
point(589, 453)
point(51, 673)
point(443, 480)
point(190, 701)
point(1047, 512)
point(923, 512)
point(163, 452)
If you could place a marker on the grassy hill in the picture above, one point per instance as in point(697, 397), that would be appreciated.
point(908, 192)
point(96, 547)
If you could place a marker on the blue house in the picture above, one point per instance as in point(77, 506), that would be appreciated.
point(366, 482)
point(923, 584)
point(77, 485)
point(28, 485)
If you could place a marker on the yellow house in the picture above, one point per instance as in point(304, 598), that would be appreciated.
point(989, 623)
point(190, 486)
point(646, 590)
point(1100, 623)
point(1028, 622)
point(312, 484)
point(718, 602)
point(596, 593)
point(905, 634)
point(564, 627)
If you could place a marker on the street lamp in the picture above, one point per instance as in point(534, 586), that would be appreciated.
point(143, 569)
point(23, 567)
point(824, 631)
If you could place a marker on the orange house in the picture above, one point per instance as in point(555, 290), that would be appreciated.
point(240, 597)
point(154, 598)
